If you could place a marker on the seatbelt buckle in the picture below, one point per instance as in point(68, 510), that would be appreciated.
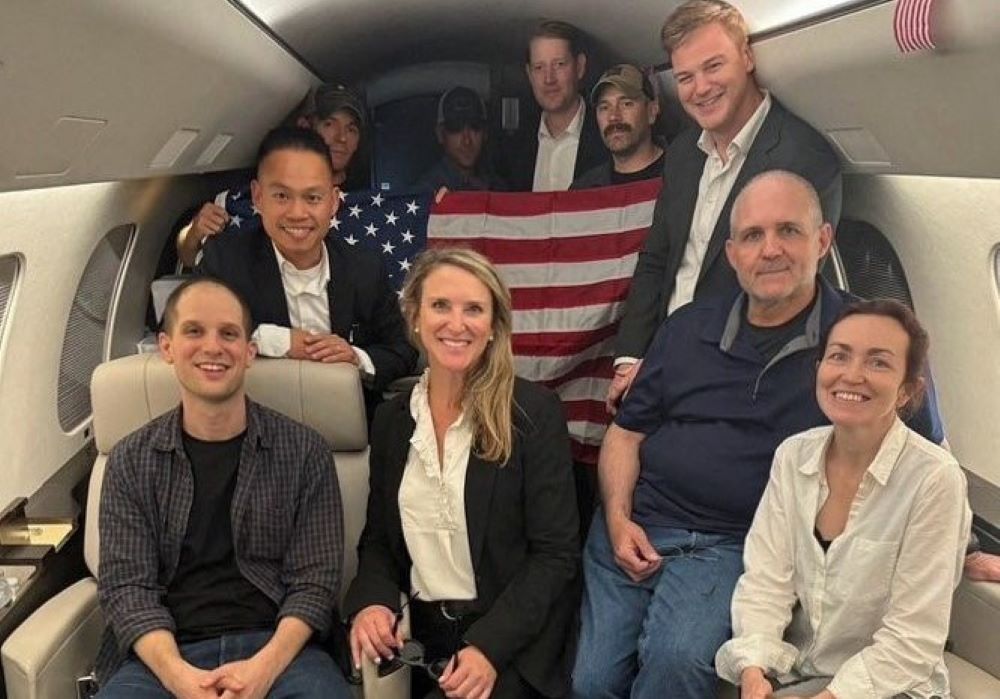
point(86, 687)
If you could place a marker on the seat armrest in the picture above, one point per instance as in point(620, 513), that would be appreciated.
point(54, 646)
point(968, 681)
point(394, 686)
point(975, 618)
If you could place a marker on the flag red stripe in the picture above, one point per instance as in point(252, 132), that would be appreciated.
point(598, 367)
point(560, 344)
point(516, 204)
point(535, 298)
point(586, 411)
point(912, 25)
point(584, 453)
point(582, 248)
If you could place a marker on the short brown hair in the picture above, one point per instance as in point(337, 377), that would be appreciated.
point(170, 309)
point(695, 14)
point(916, 351)
point(556, 29)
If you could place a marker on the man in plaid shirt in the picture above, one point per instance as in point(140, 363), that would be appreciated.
point(221, 530)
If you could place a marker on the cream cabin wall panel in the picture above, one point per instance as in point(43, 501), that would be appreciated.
point(946, 232)
point(54, 231)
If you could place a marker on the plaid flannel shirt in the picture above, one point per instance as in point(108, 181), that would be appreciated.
point(288, 531)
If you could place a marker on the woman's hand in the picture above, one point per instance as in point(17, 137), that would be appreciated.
point(374, 633)
point(468, 676)
point(753, 684)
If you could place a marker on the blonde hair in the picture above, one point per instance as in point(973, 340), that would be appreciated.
point(489, 385)
point(695, 14)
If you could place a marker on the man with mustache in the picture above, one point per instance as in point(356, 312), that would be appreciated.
point(626, 109)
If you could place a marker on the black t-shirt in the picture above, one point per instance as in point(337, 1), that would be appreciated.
point(654, 169)
point(209, 596)
point(770, 340)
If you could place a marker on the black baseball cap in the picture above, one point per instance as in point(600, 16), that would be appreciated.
point(334, 97)
point(460, 107)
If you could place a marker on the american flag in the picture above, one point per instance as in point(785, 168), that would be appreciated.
point(568, 258)
point(912, 25)
point(394, 225)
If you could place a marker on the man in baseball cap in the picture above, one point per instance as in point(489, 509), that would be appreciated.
point(626, 109)
point(461, 131)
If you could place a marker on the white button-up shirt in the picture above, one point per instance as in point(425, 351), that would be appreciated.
point(872, 612)
point(308, 309)
point(556, 159)
point(717, 180)
point(432, 506)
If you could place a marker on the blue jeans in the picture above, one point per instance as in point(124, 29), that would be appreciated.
point(658, 637)
point(312, 675)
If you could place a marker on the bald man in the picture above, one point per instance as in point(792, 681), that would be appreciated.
point(685, 463)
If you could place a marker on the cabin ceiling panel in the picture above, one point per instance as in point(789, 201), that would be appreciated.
point(93, 90)
point(352, 40)
point(930, 112)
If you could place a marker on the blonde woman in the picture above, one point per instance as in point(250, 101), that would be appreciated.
point(472, 510)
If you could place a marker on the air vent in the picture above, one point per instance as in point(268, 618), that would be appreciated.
point(174, 148)
point(212, 150)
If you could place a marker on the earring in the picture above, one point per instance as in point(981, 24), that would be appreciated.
point(416, 331)
point(490, 338)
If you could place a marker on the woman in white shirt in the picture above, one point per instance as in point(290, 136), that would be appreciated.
point(858, 542)
point(472, 510)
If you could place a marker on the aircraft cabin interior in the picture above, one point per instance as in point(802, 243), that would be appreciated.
point(119, 117)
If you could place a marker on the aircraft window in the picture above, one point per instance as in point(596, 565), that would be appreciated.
point(871, 266)
point(86, 330)
point(8, 275)
point(405, 144)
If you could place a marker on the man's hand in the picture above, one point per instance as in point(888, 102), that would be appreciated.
point(982, 567)
point(210, 220)
point(374, 633)
point(753, 684)
point(468, 676)
point(622, 381)
point(633, 552)
point(320, 347)
point(439, 195)
point(186, 681)
point(247, 679)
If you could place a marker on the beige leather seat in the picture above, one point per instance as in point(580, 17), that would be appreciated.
point(58, 643)
point(974, 642)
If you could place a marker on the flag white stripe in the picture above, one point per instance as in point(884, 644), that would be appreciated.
point(587, 432)
point(577, 319)
point(533, 276)
point(535, 368)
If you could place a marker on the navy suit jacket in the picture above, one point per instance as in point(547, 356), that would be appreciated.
point(784, 142)
point(363, 307)
point(522, 525)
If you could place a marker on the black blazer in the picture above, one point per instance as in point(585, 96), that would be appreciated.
point(521, 151)
point(522, 523)
point(783, 142)
point(363, 307)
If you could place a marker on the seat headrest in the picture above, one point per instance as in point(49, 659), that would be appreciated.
point(127, 393)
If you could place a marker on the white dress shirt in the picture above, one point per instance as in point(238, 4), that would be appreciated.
point(432, 506)
point(872, 612)
point(556, 159)
point(308, 309)
point(717, 180)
